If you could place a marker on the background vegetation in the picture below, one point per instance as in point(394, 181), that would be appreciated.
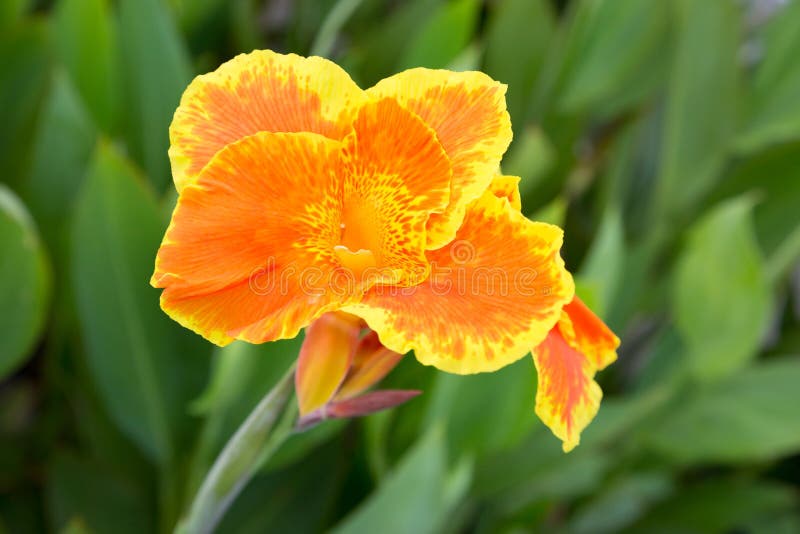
point(663, 135)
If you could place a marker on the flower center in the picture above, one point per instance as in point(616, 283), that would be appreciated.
point(359, 241)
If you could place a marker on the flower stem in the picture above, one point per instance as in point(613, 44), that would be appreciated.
point(252, 444)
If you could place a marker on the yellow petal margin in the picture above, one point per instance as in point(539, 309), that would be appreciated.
point(493, 293)
point(467, 110)
point(568, 398)
point(259, 91)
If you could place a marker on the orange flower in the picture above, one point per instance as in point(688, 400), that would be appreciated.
point(302, 194)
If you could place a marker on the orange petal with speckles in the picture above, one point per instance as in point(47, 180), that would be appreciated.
point(568, 398)
point(249, 251)
point(259, 91)
point(396, 175)
point(467, 110)
point(493, 293)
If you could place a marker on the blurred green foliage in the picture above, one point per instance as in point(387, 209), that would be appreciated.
point(664, 136)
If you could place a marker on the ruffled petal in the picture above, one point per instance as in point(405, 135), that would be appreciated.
point(507, 187)
point(467, 110)
point(493, 293)
point(396, 175)
point(259, 91)
point(568, 398)
point(589, 334)
point(249, 251)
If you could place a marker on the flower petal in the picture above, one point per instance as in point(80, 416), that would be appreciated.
point(395, 175)
point(249, 251)
point(372, 362)
point(568, 397)
point(493, 293)
point(467, 110)
point(588, 333)
point(507, 187)
point(259, 91)
point(325, 357)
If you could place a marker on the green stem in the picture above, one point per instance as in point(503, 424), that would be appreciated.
point(245, 452)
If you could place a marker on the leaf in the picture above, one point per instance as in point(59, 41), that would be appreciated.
point(722, 504)
point(721, 295)
point(444, 34)
point(156, 71)
point(621, 503)
point(11, 11)
point(531, 157)
point(413, 497)
point(145, 366)
point(24, 283)
point(24, 76)
point(752, 416)
point(773, 115)
point(537, 470)
point(485, 412)
point(603, 266)
point(64, 143)
point(773, 177)
point(606, 64)
point(79, 489)
point(377, 50)
point(87, 46)
point(516, 43)
point(701, 107)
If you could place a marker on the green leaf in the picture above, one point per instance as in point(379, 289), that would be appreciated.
point(719, 505)
point(752, 416)
point(701, 108)
point(444, 34)
point(531, 157)
point(145, 366)
point(773, 114)
point(156, 71)
point(414, 497)
point(62, 148)
point(606, 64)
point(721, 295)
point(24, 283)
point(621, 503)
point(97, 497)
point(603, 266)
point(485, 412)
point(537, 470)
point(516, 43)
point(11, 11)
point(24, 77)
point(87, 46)
point(376, 52)
point(773, 177)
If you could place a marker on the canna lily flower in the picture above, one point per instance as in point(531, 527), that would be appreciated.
point(305, 200)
